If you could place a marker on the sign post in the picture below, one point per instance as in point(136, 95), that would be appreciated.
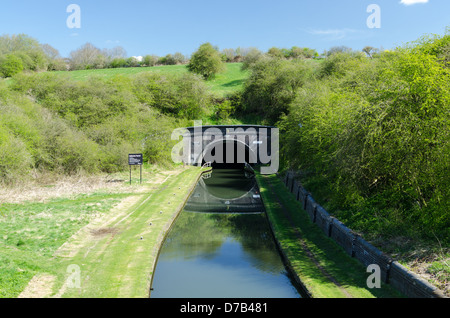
point(136, 159)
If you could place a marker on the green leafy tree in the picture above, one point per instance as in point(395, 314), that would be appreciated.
point(228, 55)
point(33, 55)
point(272, 85)
point(150, 60)
point(206, 61)
point(338, 49)
point(179, 58)
point(370, 51)
point(296, 52)
point(251, 58)
point(169, 60)
point(275, 52)
point(118, 62)
point(310, 53)
point(10, 65)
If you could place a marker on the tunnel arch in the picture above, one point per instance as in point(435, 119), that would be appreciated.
point(250, 155)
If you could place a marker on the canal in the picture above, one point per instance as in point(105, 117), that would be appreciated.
point(221, 245)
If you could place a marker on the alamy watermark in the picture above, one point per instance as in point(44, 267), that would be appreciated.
point(74, 279)
point(374, 19)
point(235, 145)
point(74, 19)
point(374, 279)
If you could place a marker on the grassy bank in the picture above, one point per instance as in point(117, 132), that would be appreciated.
point(32, 232)
point(111, 238)
point(322, 266)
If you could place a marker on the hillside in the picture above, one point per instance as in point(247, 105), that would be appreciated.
point(224, 83)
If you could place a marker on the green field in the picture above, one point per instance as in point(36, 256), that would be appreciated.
point(224, 83)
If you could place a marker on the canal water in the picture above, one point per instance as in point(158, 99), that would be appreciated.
point(221, 245)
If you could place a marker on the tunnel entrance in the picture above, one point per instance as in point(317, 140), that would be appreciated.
point(229, 154)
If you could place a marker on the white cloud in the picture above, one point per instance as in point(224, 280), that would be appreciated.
point(411, 2)
point(138, 58)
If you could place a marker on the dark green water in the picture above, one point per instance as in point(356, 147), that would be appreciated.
point(227, 250)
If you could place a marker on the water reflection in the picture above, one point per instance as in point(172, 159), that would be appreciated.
point(217, 254)
point(227, 190)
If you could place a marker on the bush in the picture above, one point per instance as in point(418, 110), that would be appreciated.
point(10, 65)
point(181, 96)
point(83, 103)
point(251, 58)
point(225, 109)
point(206, 61)
point(15, 160)
point(150, 60)
point(27, 49)
point(114, 157)
point(57, 65)
point(41, 140)
point(372, 135)
point(87, 57)
point(272, 85)
point(91, 125)
point(275, 53)
point(118, 62)
point(341, 63)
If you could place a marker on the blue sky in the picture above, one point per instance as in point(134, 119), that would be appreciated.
point(169, 26)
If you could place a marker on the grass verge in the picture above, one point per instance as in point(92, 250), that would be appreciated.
point(32, 232)
point(322, 265)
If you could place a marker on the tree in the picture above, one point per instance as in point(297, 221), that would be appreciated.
point(27, 49)
point(206, 61)
point(309, 53)
point(272, 85)
point(86, 57)
point(275, 52)
point(370, 51)
point(10, 65)
point(117, 52)
point(251, 58)
point(133, 61)
point(18, 43)
point(50, 52)
point(150, 60)
point(179, 58)
point(338, 49)
point(297, 52)
point(55, 61)
point(118, 62)
point(169, 60)
point(228, 55)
